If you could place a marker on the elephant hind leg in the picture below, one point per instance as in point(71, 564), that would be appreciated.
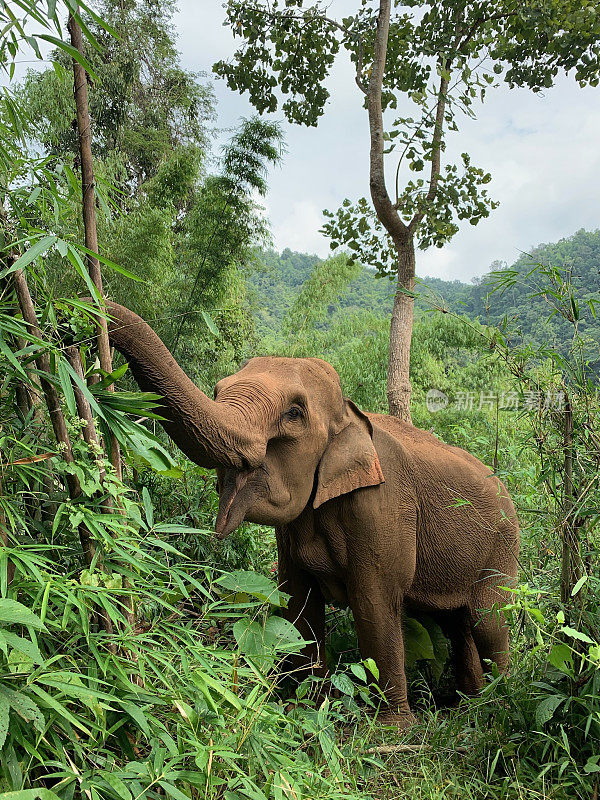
point(490, 631)
point(465, 656)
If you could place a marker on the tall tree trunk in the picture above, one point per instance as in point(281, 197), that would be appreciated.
point(401, 234)
point(89, 210)
point(402, 316)
point(398, 380)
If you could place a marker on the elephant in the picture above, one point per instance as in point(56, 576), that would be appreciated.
point(369, 511)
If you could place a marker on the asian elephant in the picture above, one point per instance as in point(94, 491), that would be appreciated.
point(369, 511)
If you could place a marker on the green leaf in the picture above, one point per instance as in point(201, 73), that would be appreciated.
point(80, 268)
point(117, 784)
point(37, 249)
point(575, 634)
point(372, 667)
point(591, 765)
point(71, 51)
point(148, 506)
point(25, 646)
point(249, 637)
point(253, 584)
point(359, 671)
point(173, 791)
point(112, 265)
point(546, 709)
point(24, 706)
point(137, 715)
point(67, 387)
point(282, 634)
point(343, 683)
point(210, 324)
point(60, 709)
point(30, 794)
point(16, 613)
point(578, 585)
point(4, 714)
point(417, 642)
point(10, 356)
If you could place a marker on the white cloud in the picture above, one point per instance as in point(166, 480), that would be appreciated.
point(298, 229)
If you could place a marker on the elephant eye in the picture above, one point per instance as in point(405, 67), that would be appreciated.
point(294, 413)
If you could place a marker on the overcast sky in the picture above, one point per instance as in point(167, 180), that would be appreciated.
point(542, 151)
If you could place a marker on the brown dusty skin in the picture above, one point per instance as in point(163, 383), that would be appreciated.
point(369, 511)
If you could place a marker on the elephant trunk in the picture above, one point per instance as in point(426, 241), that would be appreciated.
point(211, 434)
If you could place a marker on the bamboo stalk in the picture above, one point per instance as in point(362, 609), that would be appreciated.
point(89, 211)
point(58, 422)
point(571, 568)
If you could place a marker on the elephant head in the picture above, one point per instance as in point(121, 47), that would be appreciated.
point(279, 431)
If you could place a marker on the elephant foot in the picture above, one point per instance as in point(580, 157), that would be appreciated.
point(398, 719)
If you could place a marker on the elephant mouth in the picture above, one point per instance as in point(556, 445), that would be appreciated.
point(236, 496)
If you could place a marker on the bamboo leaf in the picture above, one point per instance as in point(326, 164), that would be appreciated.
point(71, 51)
point(67, 387)
point(39, 248)
point(15, 613)
point(4, 715)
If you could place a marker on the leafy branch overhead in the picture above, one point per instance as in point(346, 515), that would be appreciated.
point(441, 60)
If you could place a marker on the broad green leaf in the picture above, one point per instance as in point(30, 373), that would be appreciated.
point(210, 324)
point(4, 715)
point(417, 642)
point(250, 637)
point(16, 613)
point(26, 646)
point(343, 683)
point(359, 671)
point(561, 657)
point(246, 582)
point(575, 634)
point(578, 585)
point(546, 709)
point(24, 706)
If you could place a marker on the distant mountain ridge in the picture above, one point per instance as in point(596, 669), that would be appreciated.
point(279, 278)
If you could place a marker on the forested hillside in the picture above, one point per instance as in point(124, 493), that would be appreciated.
point(518, 298)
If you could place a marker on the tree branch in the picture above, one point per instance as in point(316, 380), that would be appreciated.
point(384, 207)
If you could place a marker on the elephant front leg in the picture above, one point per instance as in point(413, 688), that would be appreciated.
point(306, 611)
point(378, 621)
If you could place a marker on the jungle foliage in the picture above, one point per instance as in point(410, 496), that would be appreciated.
point(139, 658)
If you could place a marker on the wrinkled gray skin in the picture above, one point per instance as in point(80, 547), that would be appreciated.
point(368, 510)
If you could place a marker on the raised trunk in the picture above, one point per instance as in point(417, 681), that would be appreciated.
point(398, 385)
point(209, 433)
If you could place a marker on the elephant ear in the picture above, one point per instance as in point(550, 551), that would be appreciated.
point(350, 461)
